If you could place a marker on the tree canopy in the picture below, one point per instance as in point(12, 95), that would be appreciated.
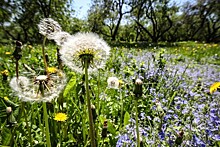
point(115, 20)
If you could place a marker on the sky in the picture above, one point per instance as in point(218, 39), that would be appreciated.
point(82, 6)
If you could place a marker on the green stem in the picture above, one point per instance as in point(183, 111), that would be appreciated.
point(43, 52)
point(91, 124)
point(137, 128)
point(46, 124)
point(83, 126)
point(60, 133)
point(121, 108)
point(28, 128)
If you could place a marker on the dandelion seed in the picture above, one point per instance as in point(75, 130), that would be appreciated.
point(61, 37)
point(214, 87)
point(48, 27)
point(83, 46)
point(113, 82)
point(60, 117)
point(40, 89)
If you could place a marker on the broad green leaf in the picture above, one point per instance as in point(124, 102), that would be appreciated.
point(70, 85)
point(111, 128)
point(126, 118)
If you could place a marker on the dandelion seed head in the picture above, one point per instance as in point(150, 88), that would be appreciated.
point(28, 90)
point(61, 37)
point(113, 82)
point(84, 45)
point(49, 27)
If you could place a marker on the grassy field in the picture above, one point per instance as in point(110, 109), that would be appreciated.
point(176, 106)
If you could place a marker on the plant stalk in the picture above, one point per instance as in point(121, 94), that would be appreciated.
point(137, 128)
point(91, 124)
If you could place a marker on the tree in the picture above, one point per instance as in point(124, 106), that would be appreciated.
point(24, 15)
point(106, 16)
point(153, 16)
point(202, 20)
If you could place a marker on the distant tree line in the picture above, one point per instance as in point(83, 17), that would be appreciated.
point(116, 20)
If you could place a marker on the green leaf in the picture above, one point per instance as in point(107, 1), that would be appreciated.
point(126, 118)
point(6, 136)
point(111, 128)
point(70, 85)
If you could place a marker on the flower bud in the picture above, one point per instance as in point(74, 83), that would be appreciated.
point(8, 110)
point(94, 114)
point(104, 129)
point(138, 90)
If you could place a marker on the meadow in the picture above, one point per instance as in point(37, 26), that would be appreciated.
point(173, 102)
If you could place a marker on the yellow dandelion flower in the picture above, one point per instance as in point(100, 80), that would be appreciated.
point(120, 83)
point(60, 117)
point(52, 70)
point(7, 53)
point(5, 72)
point(6, 98)
point(214, 87)
point(214, 45)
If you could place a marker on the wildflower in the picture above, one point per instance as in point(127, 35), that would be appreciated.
point(61, 37)
point(48, 27)
point(138, 88)
point(60, 117)
point(8, 110)
point(40, 89)
point(6, 98)
point(5, 72)
point(7, 53)
point(83, 46)
point(214, 87)
point(52, 70)
point(113, 82)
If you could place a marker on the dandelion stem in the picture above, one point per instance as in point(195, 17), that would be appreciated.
point(137, 128)
point(28, 127)
point(91, 124)
point(122, 107)
point(43, 52)
point(46, 125)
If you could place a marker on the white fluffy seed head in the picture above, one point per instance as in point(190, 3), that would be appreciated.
point(61, 37)
point(84, 44)
point(113, 82)
point(49, 27)
point(28, 89)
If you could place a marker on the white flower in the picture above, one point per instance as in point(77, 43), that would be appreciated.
point(61, 37)
point(49, 27)
point(29, 90)
point(113, 82)
point(83, 45)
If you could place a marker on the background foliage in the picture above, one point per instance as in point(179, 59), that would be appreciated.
point(117, 20)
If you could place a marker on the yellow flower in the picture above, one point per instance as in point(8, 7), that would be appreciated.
point(60, 117)
point(52, 70)
point(7, 53)
point(214, 87)
point(6, 98)
point(5, 72)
